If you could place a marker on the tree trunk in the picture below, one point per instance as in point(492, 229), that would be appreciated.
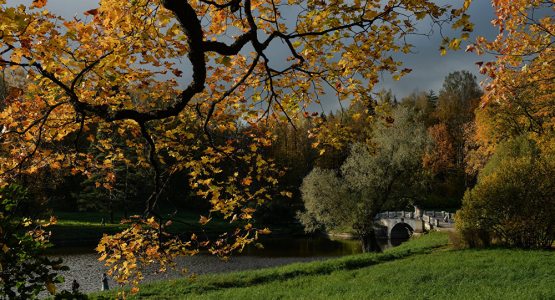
point(111, 208)
point(125, 192)
point(369, 242)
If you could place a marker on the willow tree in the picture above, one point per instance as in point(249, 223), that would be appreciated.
point(385, 174)
point(88, 70)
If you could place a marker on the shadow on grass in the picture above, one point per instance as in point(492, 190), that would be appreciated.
point(210, 282)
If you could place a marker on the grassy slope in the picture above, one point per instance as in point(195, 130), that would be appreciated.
point(420, 269)
point(490, 274)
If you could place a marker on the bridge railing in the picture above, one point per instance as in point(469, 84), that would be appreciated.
point(395, 215)
point(439, 215)
point(429, 216)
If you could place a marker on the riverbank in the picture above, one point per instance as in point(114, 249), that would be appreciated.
point(423, 268)
point(87, 270)
point(85, 229)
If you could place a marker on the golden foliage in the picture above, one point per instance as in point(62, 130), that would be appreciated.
point(120, 65)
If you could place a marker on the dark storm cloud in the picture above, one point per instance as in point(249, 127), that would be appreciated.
point(429, 67)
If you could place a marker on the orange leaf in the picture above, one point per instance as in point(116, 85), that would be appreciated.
point(38, 3)
point(91, 12)
point(51, 287)
point(203, 220)
point(177, 73)
point(247, 181)
point(265, 231)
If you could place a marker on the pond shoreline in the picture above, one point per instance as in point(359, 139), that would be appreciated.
point(87, 270)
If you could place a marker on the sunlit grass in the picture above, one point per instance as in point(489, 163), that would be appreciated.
point(214, 282)
point(422, 268)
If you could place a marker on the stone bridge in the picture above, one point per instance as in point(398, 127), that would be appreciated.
point(402, 224)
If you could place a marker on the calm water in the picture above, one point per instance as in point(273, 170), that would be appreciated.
point(309, 247)
point(280, 247)
point(87, 270)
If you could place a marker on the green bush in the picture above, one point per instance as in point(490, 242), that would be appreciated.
point(513, 203)
point(24, 269)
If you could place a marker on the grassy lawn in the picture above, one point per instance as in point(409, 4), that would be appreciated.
point(423, 268)
point(490, 274)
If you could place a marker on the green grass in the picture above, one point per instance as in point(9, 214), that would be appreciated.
point(490, 274)
point(423, 268)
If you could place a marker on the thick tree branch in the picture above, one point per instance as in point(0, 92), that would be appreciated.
point(233, 49)
point(153, 199)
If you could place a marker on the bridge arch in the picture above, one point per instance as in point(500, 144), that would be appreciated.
point(401, 231)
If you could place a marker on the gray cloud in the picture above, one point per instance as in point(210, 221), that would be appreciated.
point(429, 68)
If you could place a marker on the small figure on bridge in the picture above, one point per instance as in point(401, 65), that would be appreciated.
point(417, 212)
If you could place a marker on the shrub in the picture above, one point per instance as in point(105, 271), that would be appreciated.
point(24, 269)
point(513, 203)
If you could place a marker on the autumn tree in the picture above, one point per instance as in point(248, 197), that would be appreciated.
point(457, 101)
point(513, 133)
point(425, 103)
point(439, 158)
point(85, 71)
point(519, 93)
point(333, 134)
point(521, 78)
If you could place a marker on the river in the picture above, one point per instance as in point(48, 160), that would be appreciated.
point(87, 270)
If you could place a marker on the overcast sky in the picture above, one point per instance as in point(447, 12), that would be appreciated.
point(429, 67)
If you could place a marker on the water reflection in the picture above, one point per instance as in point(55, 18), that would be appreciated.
point(281, 247)
point(315, 246)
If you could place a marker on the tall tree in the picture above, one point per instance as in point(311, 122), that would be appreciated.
point(456, 104)
point(86, 71)
point(520, 94)
point(461, 90)
point(383, 175)
point(514, 201)
point(524, 65)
